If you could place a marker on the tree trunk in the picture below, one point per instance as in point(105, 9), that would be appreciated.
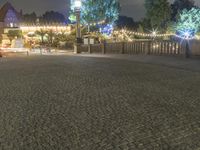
point(88, 28)
point(187, 51)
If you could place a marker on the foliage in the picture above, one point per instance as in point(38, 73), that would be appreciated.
point(47, 17)
point(107, 29)
point(52, 16)
point(29, 18)
point(189, 21)
point(41, 33)
point(94, 11)
point(62, 37)
point(180, 5)
point(125, 22)
point(72, 17)
point(51, 34)
point(158, 13)
point(140, 29)
point(14, 33)
point(171, 28)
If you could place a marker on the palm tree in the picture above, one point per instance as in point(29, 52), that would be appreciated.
point(62, 36)
point(51, 35)
point(14, 33)
point(41, 33)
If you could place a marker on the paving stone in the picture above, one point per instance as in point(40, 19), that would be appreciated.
point(90, 103)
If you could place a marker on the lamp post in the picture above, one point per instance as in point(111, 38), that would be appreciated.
point(77, 9)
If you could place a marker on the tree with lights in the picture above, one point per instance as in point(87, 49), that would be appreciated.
point(188, 25)
point(158, 12)
point(189, 21)
point(95, 11)
point(42, 34)
point(14, 33)
point(180, 5)
point(98, 10)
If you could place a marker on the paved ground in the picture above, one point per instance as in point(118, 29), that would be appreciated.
point(88, 103)
point(173, 61)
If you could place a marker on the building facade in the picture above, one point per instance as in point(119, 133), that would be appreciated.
point(9, 17)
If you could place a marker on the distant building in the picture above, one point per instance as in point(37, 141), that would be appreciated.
point(9, 20)
point(9, 17)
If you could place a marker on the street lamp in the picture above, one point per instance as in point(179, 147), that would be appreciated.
point(77, 10)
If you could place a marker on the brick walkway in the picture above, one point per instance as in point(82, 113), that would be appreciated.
point(89, 103)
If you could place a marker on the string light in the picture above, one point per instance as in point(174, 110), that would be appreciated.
point(154, 34)
point(143, 34)
point(97, 23)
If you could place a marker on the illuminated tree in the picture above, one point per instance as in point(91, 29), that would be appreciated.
point(189, 22)
point(51, 34)
point(42, 34)
point(94, 11)
point(14, 33)
point(158, 12)
point(188, 25)
point(180, 5)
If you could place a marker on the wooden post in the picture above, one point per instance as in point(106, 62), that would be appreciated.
point(175, 48)
point(123, 48)
point(161, 49)
point(141, 49)
point(179, 48)
point(165, 47)
point(149, 48)
point(168, 47)
point(131, 47)
point(171, 47)
point(137, 50)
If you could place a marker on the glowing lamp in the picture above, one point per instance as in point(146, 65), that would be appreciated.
point(186, 34)
point(77, 4)
point(154, 33)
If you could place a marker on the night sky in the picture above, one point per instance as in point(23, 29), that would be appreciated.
point(132, 8)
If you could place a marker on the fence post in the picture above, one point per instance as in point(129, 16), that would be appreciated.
point(171, 47)
point(175, 48)
point(149, 48)
point(167, 47)
point(179, 48)
point(123, 47)
point(134, 48)
point(161, 48)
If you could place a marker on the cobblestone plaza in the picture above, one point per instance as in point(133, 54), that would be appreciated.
point(89, 103)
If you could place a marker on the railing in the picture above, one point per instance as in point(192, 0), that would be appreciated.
point(142, 47)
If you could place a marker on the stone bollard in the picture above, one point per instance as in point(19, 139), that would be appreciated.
point(103, 47)
point(77, 48)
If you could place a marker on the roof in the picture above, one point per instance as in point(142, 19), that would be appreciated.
point(3, 11)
